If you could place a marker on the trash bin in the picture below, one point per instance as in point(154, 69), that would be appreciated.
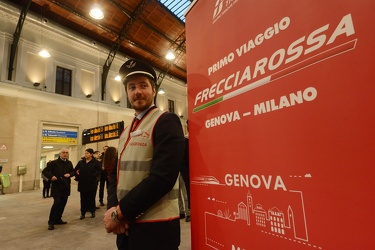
point(5, 181)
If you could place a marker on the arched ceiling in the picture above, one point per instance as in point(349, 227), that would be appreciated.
point(143, 29)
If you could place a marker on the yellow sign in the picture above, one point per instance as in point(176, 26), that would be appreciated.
point(60, 140)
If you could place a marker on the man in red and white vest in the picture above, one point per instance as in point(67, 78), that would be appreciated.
point(143, 201)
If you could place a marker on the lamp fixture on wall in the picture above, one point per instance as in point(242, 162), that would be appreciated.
point(88, 95)
point(117, 102)
point(36, 84)
point(44, 53)
point(118, 78)
point(161, 91)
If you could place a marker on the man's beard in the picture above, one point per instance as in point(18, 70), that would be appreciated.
point(142, 104)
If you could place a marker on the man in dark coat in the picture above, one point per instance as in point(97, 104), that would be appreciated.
point(103, 178)
point(186, 176)
point(59, 172)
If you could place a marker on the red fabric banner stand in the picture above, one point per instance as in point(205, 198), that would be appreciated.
point(281, 124)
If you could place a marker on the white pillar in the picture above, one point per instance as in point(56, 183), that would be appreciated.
point(21, 181)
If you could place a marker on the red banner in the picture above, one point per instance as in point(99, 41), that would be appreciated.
point(281, 124)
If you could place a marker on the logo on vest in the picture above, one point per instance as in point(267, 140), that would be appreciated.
point(138, 144)
point(145, 135)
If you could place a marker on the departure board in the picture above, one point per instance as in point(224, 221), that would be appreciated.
point(102, 133)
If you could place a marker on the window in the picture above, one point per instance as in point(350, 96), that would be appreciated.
point(171, 106)
point(177, 7)
point(63, 81)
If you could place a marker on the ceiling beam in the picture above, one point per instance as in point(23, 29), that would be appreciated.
point(16, 38)
point(63, 6)
point(143, 22)
point(120, 35)
point(115, 46)
point(177, 47)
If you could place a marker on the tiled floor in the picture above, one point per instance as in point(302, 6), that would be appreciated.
point(23, 225)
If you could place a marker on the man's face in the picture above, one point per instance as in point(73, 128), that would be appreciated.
point(64, 154)
point(88, 155)
point(140, 92)
point(97, 155)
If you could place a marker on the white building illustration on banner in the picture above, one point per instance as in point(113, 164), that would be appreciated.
point(288, 223)
point(272, 220)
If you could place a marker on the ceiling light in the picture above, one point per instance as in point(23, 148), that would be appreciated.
point(118, 78)
point(44, 53)
point(161, 91)
point(47, 146)
point(170, 55)
point(96, 12)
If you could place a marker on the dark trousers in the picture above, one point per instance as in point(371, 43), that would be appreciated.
point(102, 184)
point(151, 236)
point(87, 201)
point(57, 209)
point(46, 187)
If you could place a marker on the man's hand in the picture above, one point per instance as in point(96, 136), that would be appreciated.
point(112, 226)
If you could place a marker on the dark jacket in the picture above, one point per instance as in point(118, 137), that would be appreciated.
point(88, 173)
point(58, 168)
point(185, 161)
point(112, 187)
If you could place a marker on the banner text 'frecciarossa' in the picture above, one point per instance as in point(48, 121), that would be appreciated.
point(302, 46)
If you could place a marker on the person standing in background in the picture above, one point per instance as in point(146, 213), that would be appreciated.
point(185, 172)
point(46, 186)
point(144, 209)
point(109, 161)
point(59, 172)
point(87, 170)
point(97, 155)
point(183, 202)
point(103, 178)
